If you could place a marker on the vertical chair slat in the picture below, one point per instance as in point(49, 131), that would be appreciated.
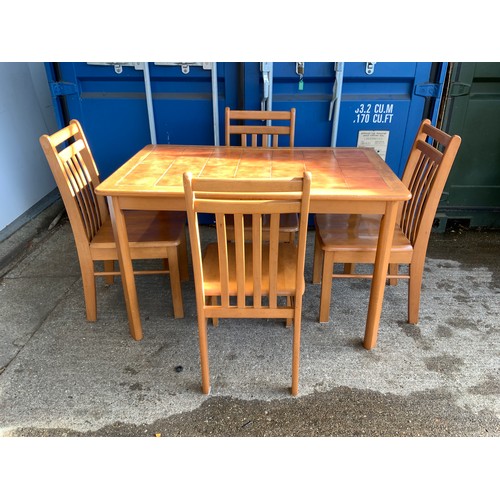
point(257, 259)
point(422, 167)
point(87, 195)
point(292, 127)
point(414, 186)
point(239, 242)
point(96, 212)
point(274, 227)
point(418, 197)
point(220, 221)
point(79, 151)
point(72, 176)
point(426, 188)
point(418, 174)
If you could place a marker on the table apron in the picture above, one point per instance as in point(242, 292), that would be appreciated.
point(316, 206)
point(347, 206)
point(150, 202)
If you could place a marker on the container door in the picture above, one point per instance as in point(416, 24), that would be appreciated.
point(383, 104)
point(472, 193)
point(307, 86)
point(110, 100)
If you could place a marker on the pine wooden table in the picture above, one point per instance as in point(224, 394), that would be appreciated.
point(344, 180)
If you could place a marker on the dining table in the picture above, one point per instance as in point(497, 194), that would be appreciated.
point(344, 180)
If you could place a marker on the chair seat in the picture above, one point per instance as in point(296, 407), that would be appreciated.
point(286, 280)
point(149, 229)
point(356, 233)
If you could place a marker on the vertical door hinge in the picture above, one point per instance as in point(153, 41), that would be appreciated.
point(458, 89)
point(63, 88)
point(428, 89)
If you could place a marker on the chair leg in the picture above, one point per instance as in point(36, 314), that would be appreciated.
point(349, 268)
point(414, 291)
point(183, 258)
point(393, 269)
point(215, 301)
point(205, 371)
point(175, 281)
point(326, 287)
point(317, 259)
point(89, 291)
point(296, 346)
point(109, 266)
point(212, 300)
point(289, 303)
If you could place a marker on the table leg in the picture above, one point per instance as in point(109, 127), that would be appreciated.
point(384, 245)
point(126, 269)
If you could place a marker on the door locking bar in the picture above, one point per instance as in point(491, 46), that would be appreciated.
point(186, 66)
point(118, 66)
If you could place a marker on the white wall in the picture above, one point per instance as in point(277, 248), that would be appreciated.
point(26, 112)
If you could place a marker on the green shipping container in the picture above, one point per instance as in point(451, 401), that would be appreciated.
point(472, 110)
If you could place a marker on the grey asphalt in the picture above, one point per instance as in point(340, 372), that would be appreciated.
point(63, 376)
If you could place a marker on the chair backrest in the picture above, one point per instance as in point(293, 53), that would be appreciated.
point(429, 163)
point(263, 130)
point(238, 197)
point(76, 175)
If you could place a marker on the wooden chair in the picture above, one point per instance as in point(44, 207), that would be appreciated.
point(243, 272)
point(260, 135)
point(152, 235)
point(352, 239)
point(260, 132)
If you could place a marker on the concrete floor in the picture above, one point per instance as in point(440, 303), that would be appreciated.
point(63, 376)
